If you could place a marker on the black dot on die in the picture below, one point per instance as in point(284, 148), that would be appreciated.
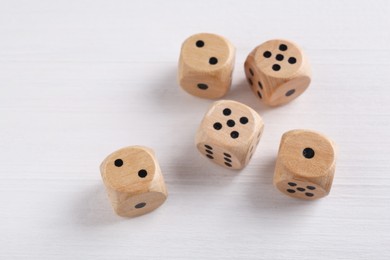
point(279, 57)
point(213, 60)
point(267, 54)
point(283, 47)
point(292, 184)
point(260, 85)
point(203, 86)
point(208, 147)
point(308, 153)
point(199, 44)
point(227, 112)
point(140, 205)
point(244, 120)
point(309, 194)
point(311, 187)
point(227, 155)
point(228, 164)
point(292, 60)
point(227, 159)
point(209, 156)
point(142, 173)
point(209, 151)
point(230, 123)
point(290, 191)
point(259, 94)
point(118, 162)
point(251, 71)
point(290, 92)
point(234, 134)
point(276, 67)
point(217, 126)
point(250, 81)
point(301, 189)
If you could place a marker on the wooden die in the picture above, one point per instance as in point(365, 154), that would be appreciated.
point(206, 65)
point(305, 165)
point(133, 181)
point(277, 72)
point(229, 133)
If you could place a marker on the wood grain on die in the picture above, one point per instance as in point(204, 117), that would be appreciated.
point(133, 180)
point(206, 65)
point(305, 165)
point(277, 72)
point(229, 134)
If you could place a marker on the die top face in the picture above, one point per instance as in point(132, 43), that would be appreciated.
point(301, 189)
point(307, 154)
point(206, 52)
point(279, 58)
point(129, 169)
point(231, 122)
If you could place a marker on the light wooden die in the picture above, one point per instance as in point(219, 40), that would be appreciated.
point(305, 165)
point(229, 134)
point(206, 65)
point(277, 72)
point(133, 180)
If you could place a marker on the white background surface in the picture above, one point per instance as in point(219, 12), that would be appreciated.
point(80, 79)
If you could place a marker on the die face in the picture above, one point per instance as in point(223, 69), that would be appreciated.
point(206, 65)
point(279, 58)
point(205, 86)
point(301, 189)
point(219, 155)
point(254, 81)
point(206, 52)
point(129, 170)
point(230, 129)
point(140, 204)
point(307, 154)
point(277, 72)
point(133, 181)
point(289, 90)
point(305, 165)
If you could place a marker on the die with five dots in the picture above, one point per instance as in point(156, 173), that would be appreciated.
point(277, 72)
point(305, 165)
point(206, 65)
point(133, 180)
point(229, 134)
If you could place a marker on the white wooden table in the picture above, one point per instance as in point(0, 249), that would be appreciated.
point(80, 79)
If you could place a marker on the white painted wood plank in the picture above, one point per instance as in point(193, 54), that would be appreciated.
point(79, 79)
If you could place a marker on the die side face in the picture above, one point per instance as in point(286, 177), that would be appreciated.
point(230, 129)
point(206, 65)
point(301, 189)
point(305, 165)
point(277, 72)
point(215, 152)
point(254, 80)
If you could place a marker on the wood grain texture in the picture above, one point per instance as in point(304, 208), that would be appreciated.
point(277, 71)
point(133, 180)
point(229, 134)
point(78, 79)
point(206, 65)
point(305, 165)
